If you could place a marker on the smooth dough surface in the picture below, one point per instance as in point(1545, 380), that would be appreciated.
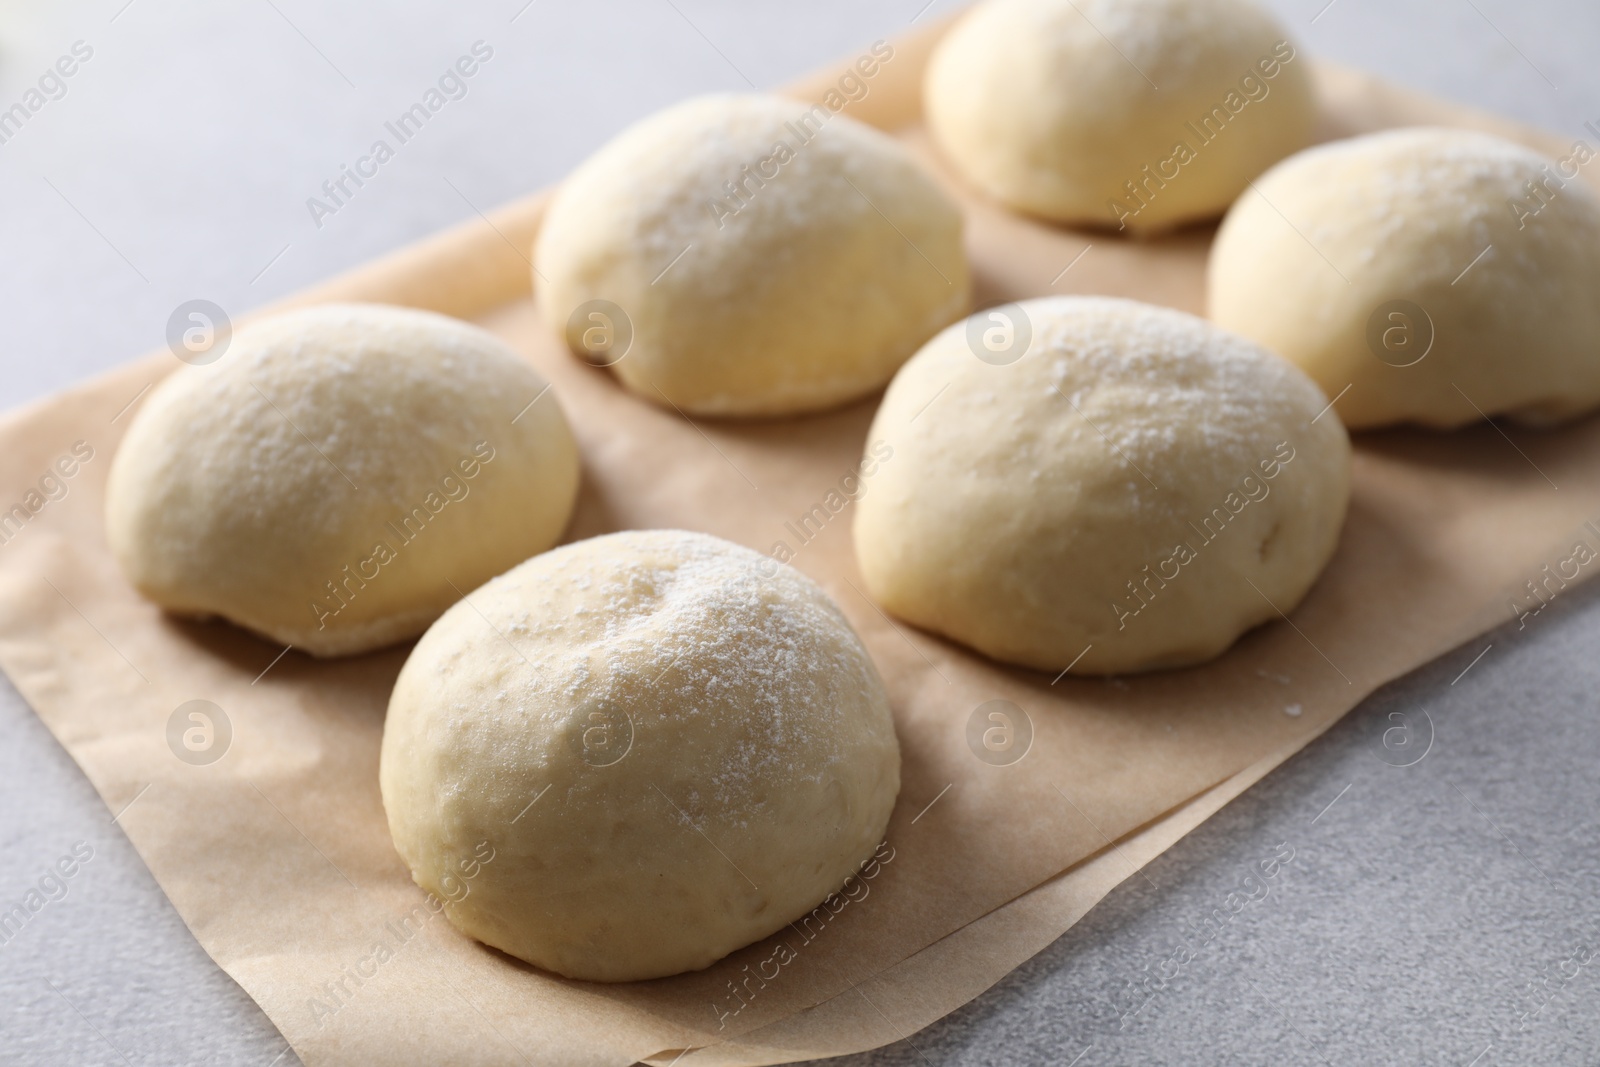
point(708, 741)
point(1441, 275)
point(770, 257)
point(338, 475)
point(1136, 114)
point(1110, 495)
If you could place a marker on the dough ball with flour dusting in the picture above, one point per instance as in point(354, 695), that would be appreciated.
point(670, 745)
point(1134, 490)
point(748, 256)
point(1134, 114)
point(339, 475)
point(1429, 275)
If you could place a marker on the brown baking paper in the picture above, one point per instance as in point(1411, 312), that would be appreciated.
point(277, 854)
point(923, 988)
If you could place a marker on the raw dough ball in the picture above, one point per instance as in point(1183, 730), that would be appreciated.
point(339, 475)
point(670, 745)
point(769, 257)
point(1049, 106)
point(1369, 263)
point(1112, 493)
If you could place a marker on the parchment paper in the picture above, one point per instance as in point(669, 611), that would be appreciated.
point(919, 990)
point(277, 855)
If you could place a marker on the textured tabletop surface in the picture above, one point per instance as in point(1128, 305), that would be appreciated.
point(1438, 913)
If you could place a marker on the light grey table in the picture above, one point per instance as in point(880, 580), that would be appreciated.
point(1429, 909)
